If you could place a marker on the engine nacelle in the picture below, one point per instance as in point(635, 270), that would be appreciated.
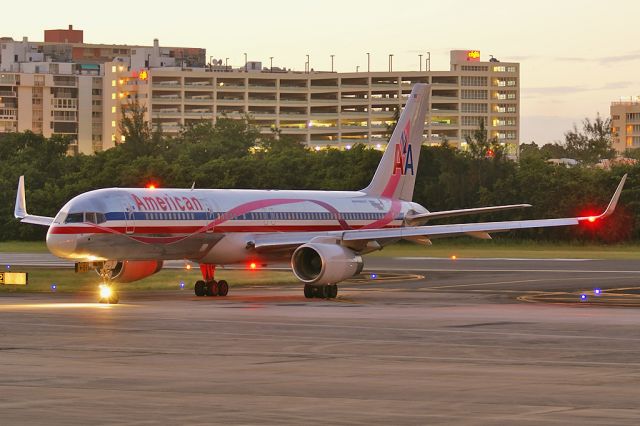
point(322, 263)
point(126, 271)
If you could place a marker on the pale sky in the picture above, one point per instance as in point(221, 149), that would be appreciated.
point(576, 56)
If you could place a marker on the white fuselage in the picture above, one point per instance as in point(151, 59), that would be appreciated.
point(207, 225)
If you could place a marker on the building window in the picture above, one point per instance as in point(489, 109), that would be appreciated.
point(113, 109)
point(472, 80)
point(474, 94)
point(474, 108)
point(113, 83)
point(113, 123)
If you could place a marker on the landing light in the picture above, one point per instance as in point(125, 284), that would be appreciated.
point(105, 291)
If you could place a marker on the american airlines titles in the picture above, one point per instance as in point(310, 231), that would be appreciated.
point(167, 202)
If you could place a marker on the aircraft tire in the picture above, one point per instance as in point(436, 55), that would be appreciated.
point(200, 288)
point(322, 291)
point(308, 291)
point(115, 298)
point(333, 291)
point(212, 288)
point(223, 288)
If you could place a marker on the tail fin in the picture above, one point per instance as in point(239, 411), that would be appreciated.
point(396, 173)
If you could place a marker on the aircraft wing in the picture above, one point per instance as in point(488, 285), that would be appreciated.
point(421, 218)
point(20, 211)
point(360, 238)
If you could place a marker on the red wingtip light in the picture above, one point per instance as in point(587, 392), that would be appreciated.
point(591, 219)
point(151, 186)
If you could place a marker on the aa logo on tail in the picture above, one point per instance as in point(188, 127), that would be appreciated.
point(403, 157)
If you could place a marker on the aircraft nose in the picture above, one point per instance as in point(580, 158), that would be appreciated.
point(61, 245)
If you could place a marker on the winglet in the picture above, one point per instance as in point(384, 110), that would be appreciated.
point(612, 204)
point(20, 211)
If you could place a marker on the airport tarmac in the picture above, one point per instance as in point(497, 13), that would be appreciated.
point(443, 342)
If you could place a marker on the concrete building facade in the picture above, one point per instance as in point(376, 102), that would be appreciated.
point(625, 124)
point(79, 90)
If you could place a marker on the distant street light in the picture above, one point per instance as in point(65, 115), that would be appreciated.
point(271, 64)
point(390, 62)
point(368, 62)
point(332, 62)
point(307, 66)
point(420, 55)
point(246, 63)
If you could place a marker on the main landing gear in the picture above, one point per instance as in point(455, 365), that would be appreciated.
point(321, 291)
point(209, 286)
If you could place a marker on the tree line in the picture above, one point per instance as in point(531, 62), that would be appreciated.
point(233, 154)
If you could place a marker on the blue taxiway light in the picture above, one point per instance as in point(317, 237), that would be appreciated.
point(597, 291)
point(181, 285)
point(583, 297)
point(374, 276)
point(54, 287)
point(8, 266)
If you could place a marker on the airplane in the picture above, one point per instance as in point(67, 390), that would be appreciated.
point(125, 234)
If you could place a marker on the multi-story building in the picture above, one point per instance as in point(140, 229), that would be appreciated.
point(82, 95)
point(625, 124)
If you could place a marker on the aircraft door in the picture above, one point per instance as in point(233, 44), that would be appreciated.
point(129, 218)
point(211, 214)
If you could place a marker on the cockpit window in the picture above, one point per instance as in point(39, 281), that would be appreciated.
point(94, 217)
point(74, 218)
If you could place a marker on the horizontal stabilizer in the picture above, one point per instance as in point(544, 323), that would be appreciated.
point(20, 211)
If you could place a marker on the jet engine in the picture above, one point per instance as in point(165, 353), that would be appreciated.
point(126, 271)
point(322, 263)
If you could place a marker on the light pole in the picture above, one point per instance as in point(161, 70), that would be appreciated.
point(332, 62)
point(420, 55)
point(368, 62)
point(226, 64)
point(307, 66)
point(357, 68)
point(246, 64)
point(210, 63)
point(390, 62)
point(271, 64)
point(428, 64)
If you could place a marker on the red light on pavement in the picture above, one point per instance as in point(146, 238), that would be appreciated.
point(253, 265)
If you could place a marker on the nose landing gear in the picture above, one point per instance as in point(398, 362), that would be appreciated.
point(107, 292)
point(209, 286)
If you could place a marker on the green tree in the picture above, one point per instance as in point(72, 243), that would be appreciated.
point(481, 146)
point(592, 142)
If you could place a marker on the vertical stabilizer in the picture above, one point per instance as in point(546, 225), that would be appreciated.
point(396, 174)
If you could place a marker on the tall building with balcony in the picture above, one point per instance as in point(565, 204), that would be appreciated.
point(340, 109)
point(68, 87)
point(625, 124)
point(58, 87)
